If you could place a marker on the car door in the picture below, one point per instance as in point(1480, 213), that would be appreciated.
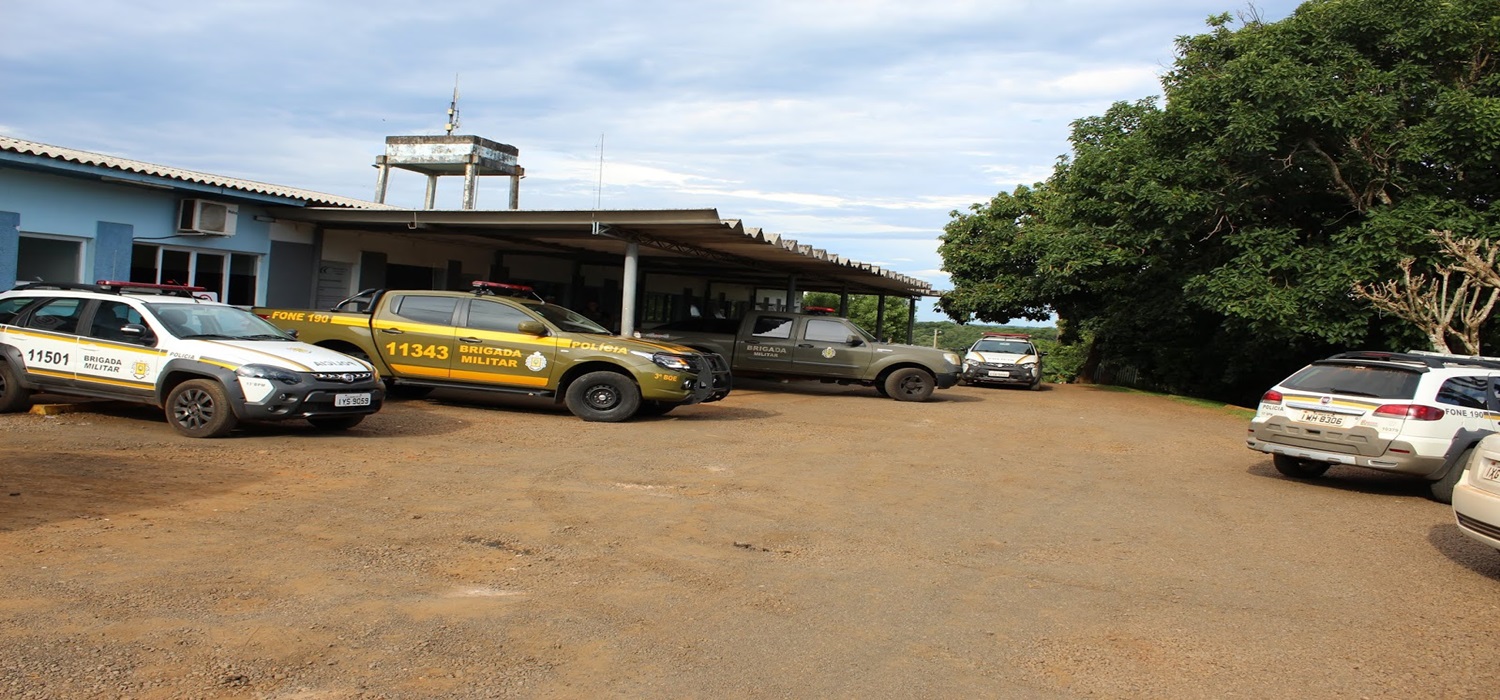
point(492, 350)
point(46, 336)
point(825, 349)
point(767, 347)
point(112, 358)
point(415, 335)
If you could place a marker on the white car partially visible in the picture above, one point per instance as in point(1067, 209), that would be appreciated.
point(1476, 496)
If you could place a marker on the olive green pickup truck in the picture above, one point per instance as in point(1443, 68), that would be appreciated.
point(493, 339)
point(788, 345)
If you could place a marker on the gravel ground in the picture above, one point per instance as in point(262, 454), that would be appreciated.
point(792, 541)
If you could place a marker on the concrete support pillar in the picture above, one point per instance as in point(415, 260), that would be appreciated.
point(880, 319)
point(471, 182)
point(431, 200)
point(515, 191)
point(911, 320)
point(628, 286)
point(792, 303)
point(382, 178)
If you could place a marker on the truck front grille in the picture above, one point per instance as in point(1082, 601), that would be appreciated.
point(343, 377)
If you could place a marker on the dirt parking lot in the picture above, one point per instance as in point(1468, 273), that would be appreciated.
point(790, 542)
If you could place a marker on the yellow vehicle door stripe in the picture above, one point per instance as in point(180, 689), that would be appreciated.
point(495, 378)
point(121, 346)
point(115, 382)
point(437, 372)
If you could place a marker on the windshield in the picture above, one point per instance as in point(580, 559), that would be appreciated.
point(214, 322)
point(1013, 347)
point(568, 319)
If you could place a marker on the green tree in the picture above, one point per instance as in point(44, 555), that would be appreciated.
point(1210, 241)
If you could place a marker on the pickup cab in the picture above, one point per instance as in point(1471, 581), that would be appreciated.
point(831, 349)
point(494, 338)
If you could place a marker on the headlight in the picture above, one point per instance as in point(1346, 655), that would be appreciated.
point(676, 363)
point(952, 358)
point(267, 372)
point(970, 364)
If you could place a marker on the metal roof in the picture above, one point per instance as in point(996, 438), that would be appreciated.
point(689, 242)
point(125, 165)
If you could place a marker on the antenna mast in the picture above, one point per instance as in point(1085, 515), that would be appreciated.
point(599, 188)
point(453, 108)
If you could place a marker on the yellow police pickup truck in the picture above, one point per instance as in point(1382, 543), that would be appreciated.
point(495, 338)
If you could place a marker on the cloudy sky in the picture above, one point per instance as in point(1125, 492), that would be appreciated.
point(851, 126)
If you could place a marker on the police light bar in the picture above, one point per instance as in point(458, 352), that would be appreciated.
point(820, 310)
point(498, 288)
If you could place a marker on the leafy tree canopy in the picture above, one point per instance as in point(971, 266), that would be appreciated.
point(1210, 240)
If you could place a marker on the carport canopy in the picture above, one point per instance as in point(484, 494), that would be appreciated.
point(688, 242)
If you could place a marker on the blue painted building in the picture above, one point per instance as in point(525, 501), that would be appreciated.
point(75, 216)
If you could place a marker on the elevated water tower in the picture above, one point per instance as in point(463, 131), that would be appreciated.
point(437, 156)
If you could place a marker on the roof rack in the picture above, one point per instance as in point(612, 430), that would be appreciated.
point(67, 286)
point(119, 287)
point(1435, 360)
point(174, 290)
point(1027, 336)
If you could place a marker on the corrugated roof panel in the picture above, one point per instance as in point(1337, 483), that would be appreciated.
point(72, 155)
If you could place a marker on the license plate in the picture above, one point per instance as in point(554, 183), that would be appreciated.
point(1323, 418)
point(346, 400)
point(999, 373)
point(1490, 472)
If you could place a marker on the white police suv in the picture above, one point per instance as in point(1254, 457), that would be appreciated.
point(208, 365)
point(1416, 413)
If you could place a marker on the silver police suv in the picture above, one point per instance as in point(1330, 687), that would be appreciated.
point(1416, 413)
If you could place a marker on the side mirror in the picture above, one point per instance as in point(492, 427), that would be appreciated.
point(291, 332)
point(531, 328)
point(854, 341)
point(137, 333)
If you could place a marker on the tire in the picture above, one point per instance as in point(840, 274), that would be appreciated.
point(1442, 489)
point(880, 389)
point(13, 396)
point(199, 408)
point(655, 408)
point(910, 384)
point(603, 397)
point(1299, 468)
point(335, 422)
point(1036, 386)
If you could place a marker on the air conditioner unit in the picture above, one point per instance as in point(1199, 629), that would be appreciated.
point(204, 218)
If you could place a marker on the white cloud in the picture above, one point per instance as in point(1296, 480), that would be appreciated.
point(850, 125)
